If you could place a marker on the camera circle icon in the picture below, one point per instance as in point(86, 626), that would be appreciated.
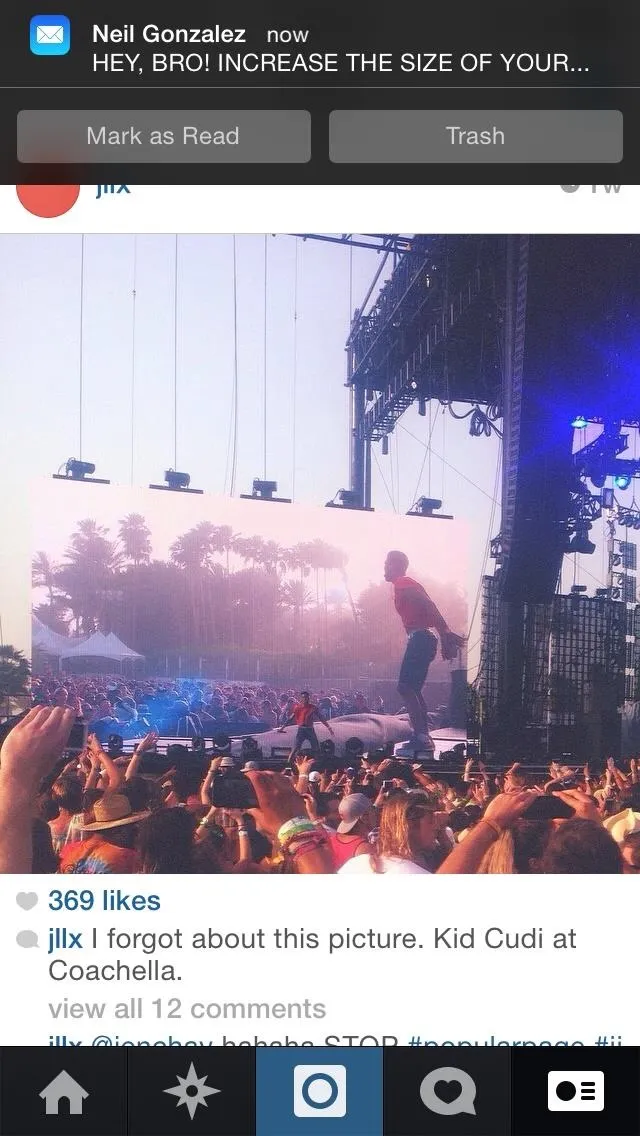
point(320, 1090)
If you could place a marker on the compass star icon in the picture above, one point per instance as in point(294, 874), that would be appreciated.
point(192, 1090)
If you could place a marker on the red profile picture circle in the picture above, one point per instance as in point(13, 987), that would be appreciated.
point(48, 200)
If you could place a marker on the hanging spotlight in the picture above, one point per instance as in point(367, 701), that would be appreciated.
point(348, 499)
point(580, 542)
point(598, 476)
point(75, 470)
point(385, 445)
point(579, 422)
point(79, 469)
point(622, 480)
point(264, 491)
point(177, 482)
point(607, 498)
point(422, 407)
point(425, 507)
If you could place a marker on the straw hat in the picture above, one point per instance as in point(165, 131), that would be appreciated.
point(113, 811)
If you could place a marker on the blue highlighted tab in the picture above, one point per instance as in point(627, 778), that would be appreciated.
point(328, 1092)
point(50, 35)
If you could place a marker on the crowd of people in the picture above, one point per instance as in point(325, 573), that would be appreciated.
point(92, 813)
point(132, 707)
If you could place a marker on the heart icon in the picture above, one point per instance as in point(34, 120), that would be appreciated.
point(26, 900)
point(447, 1091)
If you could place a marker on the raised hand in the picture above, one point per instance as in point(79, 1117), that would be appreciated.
point(277, 800)
point(305, 765)
point(35, 744)
point(451, 645)
point(147, 742)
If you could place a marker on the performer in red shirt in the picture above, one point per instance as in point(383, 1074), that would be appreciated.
point(419, 614)
point(303, 715)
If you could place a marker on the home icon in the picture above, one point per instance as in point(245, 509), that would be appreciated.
point(63, 1087)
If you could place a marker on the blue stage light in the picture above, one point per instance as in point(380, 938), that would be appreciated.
point(622, 480)
point(579, 422)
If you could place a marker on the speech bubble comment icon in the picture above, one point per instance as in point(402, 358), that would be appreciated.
point(448, 1092)
point(27, 939)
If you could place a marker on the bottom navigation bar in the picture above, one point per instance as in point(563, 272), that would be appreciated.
point(242, 1091)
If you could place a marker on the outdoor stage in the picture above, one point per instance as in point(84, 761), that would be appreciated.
point(374, 731)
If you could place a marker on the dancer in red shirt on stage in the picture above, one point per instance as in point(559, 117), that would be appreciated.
point(419, 614)
point(303, 715)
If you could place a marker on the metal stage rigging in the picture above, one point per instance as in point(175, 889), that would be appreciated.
point(531, 331)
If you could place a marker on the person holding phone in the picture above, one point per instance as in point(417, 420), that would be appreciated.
point(303, 715)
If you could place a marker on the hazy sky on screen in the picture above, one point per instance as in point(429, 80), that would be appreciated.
point(366, 541)
point(128, 370)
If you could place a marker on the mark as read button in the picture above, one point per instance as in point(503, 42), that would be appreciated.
point(191, 135)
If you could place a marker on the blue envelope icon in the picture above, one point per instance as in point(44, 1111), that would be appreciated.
point(50, 35)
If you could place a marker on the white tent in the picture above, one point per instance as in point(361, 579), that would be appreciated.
point(50, 642)
point(124, 652)
point(99, 646)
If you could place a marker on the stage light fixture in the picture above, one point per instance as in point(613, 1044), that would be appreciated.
point(79, 469)
point(426, 506)
point(264, 491)
point(602, 593)
point(607, 500)
point(622, 480)
point(76, 470)
point(348, 499)
point(578, 589)
point(422, 407)
point(385, 445)
point(581, 544)
point(176, 482)
point(280, 753)
point(579, 422)
point(353, 747)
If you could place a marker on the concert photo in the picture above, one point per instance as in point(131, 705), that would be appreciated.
point(324, 555)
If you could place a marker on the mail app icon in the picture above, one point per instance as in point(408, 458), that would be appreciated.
point(50, 35)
